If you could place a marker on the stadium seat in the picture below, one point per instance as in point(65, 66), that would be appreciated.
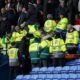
point(64, 76)
point(19, 77)
point(57, 76)
point(49, 76)
point(72, 69)
point(78, 77)
point(26, 77)
point(78, 69)
point(33, 77)
point(72, 76)
point(77, 62)
point(57, 70)
point(50, 70)
point(42, 70)
point(65, 69)
point(41, 76)
point(35, 70)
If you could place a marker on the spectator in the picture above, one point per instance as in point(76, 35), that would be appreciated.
point(73, 10)
point(40, 12)
point(62, 9)
point(3, 22)
point(23, 16)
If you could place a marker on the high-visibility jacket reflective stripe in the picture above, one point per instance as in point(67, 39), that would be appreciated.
point(57, 45)
point(72, 37)
point(32, 28)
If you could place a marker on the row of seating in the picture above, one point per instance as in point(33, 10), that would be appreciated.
point(49, 77)
point(73, 62)
point(56, 70)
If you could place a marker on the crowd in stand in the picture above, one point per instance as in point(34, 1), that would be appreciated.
point(38, 32)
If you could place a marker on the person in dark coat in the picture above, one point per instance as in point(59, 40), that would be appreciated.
point(62, 9)
point(3, 22)
point(23, 16)
point(40, 12)
point(73, 10)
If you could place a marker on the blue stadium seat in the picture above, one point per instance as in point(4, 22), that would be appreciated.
point(78, 69)
point(34, 77)
point(57, 70)
point(50, 70)
point(19, 77)
point(65, 69)
point(57, 76)
point(72, 76)
point(43, 70)
point(49, 77)
point(71, 63)
point(35, 70)
point(78, 77)
point(42, 76)
point(77, 61)
point(72, 69)
point(26, 77)
point(64, 76)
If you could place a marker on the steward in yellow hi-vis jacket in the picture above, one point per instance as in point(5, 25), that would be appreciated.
point(13, 60)
point(72, 38)
point(57, 50)
point(18, 34)
point(44, 51)
point(6, 42)
point(34, 52)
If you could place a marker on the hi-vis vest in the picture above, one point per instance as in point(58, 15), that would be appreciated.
point(18, 36)
point(13, 56)
point(57, 45)
point(72, 37)
point(32, 28)
point(34, 47)
point(62, 24)
point(5, 42)
point(49, 25)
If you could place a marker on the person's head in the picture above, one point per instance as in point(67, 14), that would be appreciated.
point(9, 1)
point(62, 3)
point(49, 1)
point(24, 9)
point(17, 28)
point(49, 16)
point(70, 27)
point(2, 10)
point(8, 34)
point(61, 15)
point(38, 1)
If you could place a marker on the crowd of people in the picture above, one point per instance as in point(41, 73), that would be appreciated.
point(38, 33)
